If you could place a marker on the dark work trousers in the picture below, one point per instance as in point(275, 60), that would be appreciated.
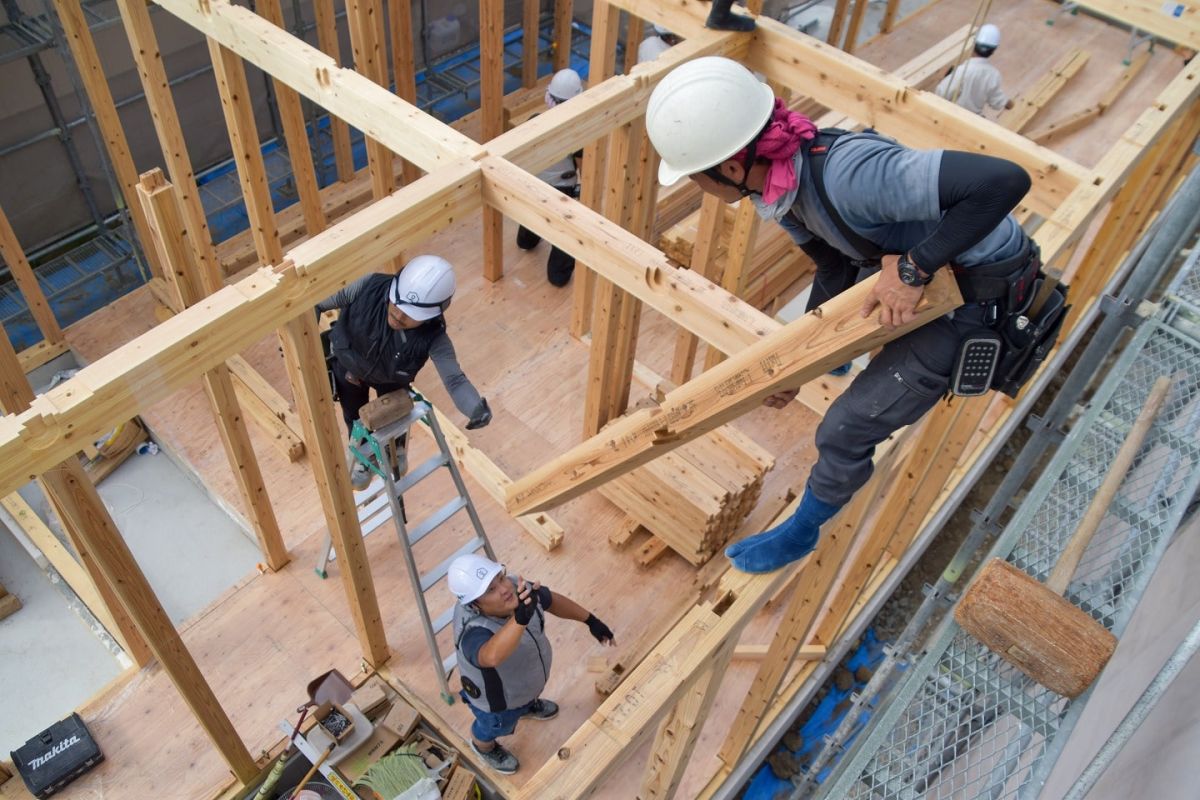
point(897, 388)
point(560, 265)
point(352, 397)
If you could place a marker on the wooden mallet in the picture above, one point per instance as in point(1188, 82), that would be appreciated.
point(1030, 625)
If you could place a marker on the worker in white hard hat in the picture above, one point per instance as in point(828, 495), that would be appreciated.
point(861, 204)
point(658, 42)
point(976, 82)
point(504, 656)
point(389, 326)
point(562, 175)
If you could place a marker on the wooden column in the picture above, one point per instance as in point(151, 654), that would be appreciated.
point(563, 13)
point(15, 396)
point(635, 30)
point(22, 274)
point(737, 262)
point(491, 67)
point(680, 729)
point(327, 40)
point(404, 73)
point(856, 18)
point(704, 262)
point(601, 65)
point(366, 37)
point(835, 25)
point(142, 41)
point(889, 16)
point(322, 432)
point(166, 219)
point(530, 23)
point(295, 134)
point(91, 72)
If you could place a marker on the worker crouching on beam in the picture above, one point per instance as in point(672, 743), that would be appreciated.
point(504, 656)
point(859, 204)
point(389, 327)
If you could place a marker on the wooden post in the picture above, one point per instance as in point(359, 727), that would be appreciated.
point(295, 134)
point(563, 13)
point(834, 37)
point(404, 71)
point(889, 16)
point(737, 262)
point(860, 8)
point(15, 396)
point(314, 400)
point(22, 273)
point(366, 37)
point(166, 220)
point(530, 38)
point(327, 40)
point(704, 262)
point(602, 60)
point(144, 44)
point(635, 30)
point(91, 72)
point(491, 67)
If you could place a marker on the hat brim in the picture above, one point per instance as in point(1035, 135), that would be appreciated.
point(419, 313)
point(484, 583)
point(668, 175)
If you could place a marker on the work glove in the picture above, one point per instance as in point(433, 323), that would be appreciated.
point(598, 629)
point(481, 417)
point(525, 605)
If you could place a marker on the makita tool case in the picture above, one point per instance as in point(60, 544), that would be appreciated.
point(57, 756)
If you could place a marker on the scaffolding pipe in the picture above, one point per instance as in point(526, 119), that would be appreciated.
point(1136, 716)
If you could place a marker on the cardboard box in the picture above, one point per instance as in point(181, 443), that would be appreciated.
point(371, 695)
point(459, 787)
point(402, 719)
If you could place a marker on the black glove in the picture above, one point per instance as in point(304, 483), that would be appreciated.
point(481, 417)
point(525, 608)
point(598, 629)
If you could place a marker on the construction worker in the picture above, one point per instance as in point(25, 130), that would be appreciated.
point(857, 204)
point(504, 656)
point(976, 82)
point(562, 175)
point(720, 18)
point(388, 328)
point(656, 44)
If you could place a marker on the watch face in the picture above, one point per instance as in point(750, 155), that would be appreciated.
point(908, 273)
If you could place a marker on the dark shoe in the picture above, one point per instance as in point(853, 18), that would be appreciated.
point(498, 759)
point(785, 543)
point(838, 372)
point(542, 709)
point(720, 18)
point(360, 473)
point(527, 239)
point(559, 267)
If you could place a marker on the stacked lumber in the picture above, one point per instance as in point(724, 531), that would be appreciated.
point(695, 497)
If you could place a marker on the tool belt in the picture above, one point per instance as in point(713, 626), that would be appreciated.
point(1027, 317)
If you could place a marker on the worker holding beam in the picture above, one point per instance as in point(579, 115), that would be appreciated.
point(504, 656)
point(859, 204)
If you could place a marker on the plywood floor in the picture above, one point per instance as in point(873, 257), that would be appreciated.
point(263, 640)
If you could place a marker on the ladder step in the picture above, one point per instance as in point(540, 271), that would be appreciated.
point(445, 618)
point(395, 429)
point(420, 473)
point(419, 532)
point(439, 572)
point(450, 662)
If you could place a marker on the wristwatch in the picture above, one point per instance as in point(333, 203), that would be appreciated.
point(909, 274)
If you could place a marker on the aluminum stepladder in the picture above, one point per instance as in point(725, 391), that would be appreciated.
point(384, 499)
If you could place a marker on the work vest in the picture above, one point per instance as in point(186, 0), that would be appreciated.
point(520, 678)
point(369, 349)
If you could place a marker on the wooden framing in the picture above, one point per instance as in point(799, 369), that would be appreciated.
point(22, 274)
point(665, 697)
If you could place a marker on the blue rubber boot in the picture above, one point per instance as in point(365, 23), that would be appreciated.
point(785, 543)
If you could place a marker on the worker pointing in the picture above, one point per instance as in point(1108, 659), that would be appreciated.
point(389, 327)
point(504, 656)
point(976, 82)
point(858, 204)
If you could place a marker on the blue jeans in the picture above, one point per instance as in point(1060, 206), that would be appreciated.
point(490, 725)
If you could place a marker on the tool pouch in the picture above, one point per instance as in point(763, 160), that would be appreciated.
point(1028, 338)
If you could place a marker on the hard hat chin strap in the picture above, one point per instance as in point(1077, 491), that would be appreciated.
point(715, 173)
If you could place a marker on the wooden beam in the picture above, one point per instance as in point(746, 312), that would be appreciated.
point(563, 16)
point(1029, 103)
point(491, 66)
point(791, 356)
point(295, 134)
point(757, 652)
point(400, 126)
point(327, 40)
point(38, 354)
point(1177, 23)
point(263, 402)
point(161, 203)
point(1079, 119)
point(140, 31)
point(326, 447)
point(91, 73)
point(22, 273)
point(531, 20)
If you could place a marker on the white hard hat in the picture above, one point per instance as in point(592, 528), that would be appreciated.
point(564, 85)
point(988, 36)
point(702, 113)
point(470, 576)
point(424, 287)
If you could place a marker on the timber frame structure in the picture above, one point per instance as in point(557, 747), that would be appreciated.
point(447, 176)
